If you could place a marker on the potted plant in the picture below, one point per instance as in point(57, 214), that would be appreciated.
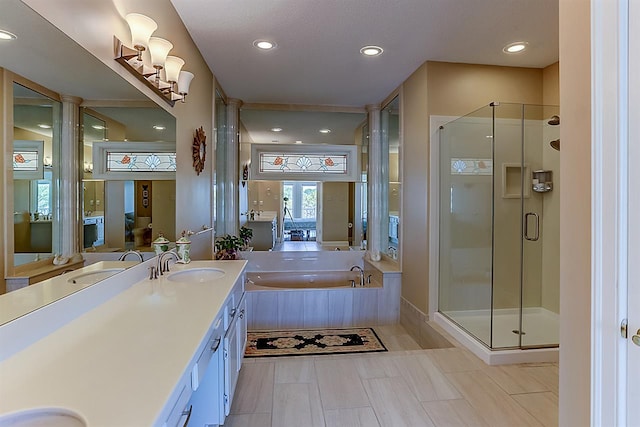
point(246, 234)
point(228, 247)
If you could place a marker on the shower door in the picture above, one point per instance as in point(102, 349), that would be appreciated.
point(540, 228)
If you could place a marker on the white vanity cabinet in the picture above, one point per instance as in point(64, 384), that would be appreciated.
point(265, 230)
point(215, 374)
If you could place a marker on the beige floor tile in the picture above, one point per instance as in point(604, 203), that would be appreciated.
point(456, 360)
point(356, 417)
point(295, 370)
point(493, 404)
point(262, 419)
point(399, 342)
point(431, 338)
point(453, 413)
point(340, 385)
point(394, 404)
point(514, 379)
point(377, 367)
point(546, 373)
point(254, 392)
point(293, 405)
point(543, 406)
point(444, 390)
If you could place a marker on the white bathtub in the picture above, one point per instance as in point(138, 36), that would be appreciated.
point(305, 280)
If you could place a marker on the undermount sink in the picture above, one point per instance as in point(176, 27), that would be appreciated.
point(92, 277)
point(196, 275)
point(49, 417)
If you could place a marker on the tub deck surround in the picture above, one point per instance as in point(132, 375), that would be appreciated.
point(321, 307)
point(125, 361)
point(305, 280)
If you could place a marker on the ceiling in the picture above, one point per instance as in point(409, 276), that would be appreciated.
point(317, 59)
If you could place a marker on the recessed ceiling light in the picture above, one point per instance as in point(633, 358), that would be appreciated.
point(276, 129)
point(325, 130)
point(6, 35)
point(298, 142)
point(159, 127)
point(44, 126)
point(515, 47)
point(264, 44)
point(371, 50)
point(98, 127)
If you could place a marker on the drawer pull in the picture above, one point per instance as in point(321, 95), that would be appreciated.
point(232, 313)
point(188, 414)
point(215, 345)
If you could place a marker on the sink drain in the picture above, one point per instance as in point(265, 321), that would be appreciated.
point(517, 332)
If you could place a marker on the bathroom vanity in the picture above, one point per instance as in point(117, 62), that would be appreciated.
point(130, 350)
point(265, 230)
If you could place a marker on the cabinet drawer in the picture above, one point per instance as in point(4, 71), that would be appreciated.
point(214, 344)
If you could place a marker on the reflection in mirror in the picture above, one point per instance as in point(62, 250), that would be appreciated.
point(35, 184)
point(122, 214)
point(307, 214)
point(391, 130)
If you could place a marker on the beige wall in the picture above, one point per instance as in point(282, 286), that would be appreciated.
point(335, 211)
point(575, 233)
point(97, 38)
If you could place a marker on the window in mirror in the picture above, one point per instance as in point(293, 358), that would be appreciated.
point(300, 210)
point(36, 135)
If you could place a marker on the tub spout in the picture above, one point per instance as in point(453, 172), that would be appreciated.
point(360, 272)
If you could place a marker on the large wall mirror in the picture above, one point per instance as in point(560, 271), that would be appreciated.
point(323, 213)
point(127, 213)
point(390, 122)
point(112, 109)
point(36, 165)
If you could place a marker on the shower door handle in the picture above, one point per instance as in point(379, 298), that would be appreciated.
point(536, 236)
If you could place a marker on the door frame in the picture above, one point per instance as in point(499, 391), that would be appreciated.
point(610, 193)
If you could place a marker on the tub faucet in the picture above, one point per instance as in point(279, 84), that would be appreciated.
point(163, 268)
point(137, 254)
point(360, 272)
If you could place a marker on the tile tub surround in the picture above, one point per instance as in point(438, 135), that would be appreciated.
point(122, 361)
point(324, 308)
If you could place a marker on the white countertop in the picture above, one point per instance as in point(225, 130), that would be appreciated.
point(264, 217)
point(22, 301)
point(120, 363)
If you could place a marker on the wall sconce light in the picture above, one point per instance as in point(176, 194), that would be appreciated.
point(46, 162)
point(88, 167)
point(175, 85)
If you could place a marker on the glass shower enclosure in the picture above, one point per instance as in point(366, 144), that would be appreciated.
point(499, 225)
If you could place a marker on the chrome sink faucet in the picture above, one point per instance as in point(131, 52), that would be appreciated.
point(137, 254)
point(361, 273)
point(163, 268)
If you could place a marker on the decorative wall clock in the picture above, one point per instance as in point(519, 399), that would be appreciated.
point(199, 149)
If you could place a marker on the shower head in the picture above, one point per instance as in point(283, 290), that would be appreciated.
point(555, 144)
point(554, 120)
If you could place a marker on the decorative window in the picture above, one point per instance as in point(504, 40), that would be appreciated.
point(134, 160)
point(119, 161)
point(304, 162)
point(471, 166)
point(28, 159)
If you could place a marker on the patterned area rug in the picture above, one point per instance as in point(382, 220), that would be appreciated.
point(312, 342)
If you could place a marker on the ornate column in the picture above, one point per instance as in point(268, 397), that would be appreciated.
point(69, 221)
point(376, 195)
point(231, 175)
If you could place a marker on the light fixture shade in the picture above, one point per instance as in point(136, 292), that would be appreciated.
point(184, 81)
point(172, 67)
point(159, 49)
point(141, 29)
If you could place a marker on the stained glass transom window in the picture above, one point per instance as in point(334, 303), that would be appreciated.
point(471, 166)
point(118, 161)
point(304, 163)
point(26, 161)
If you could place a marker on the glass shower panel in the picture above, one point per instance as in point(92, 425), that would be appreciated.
point(509, 172)
point(540, 244)
point(466, 211)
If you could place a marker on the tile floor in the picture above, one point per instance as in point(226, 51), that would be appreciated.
point(406, 386)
